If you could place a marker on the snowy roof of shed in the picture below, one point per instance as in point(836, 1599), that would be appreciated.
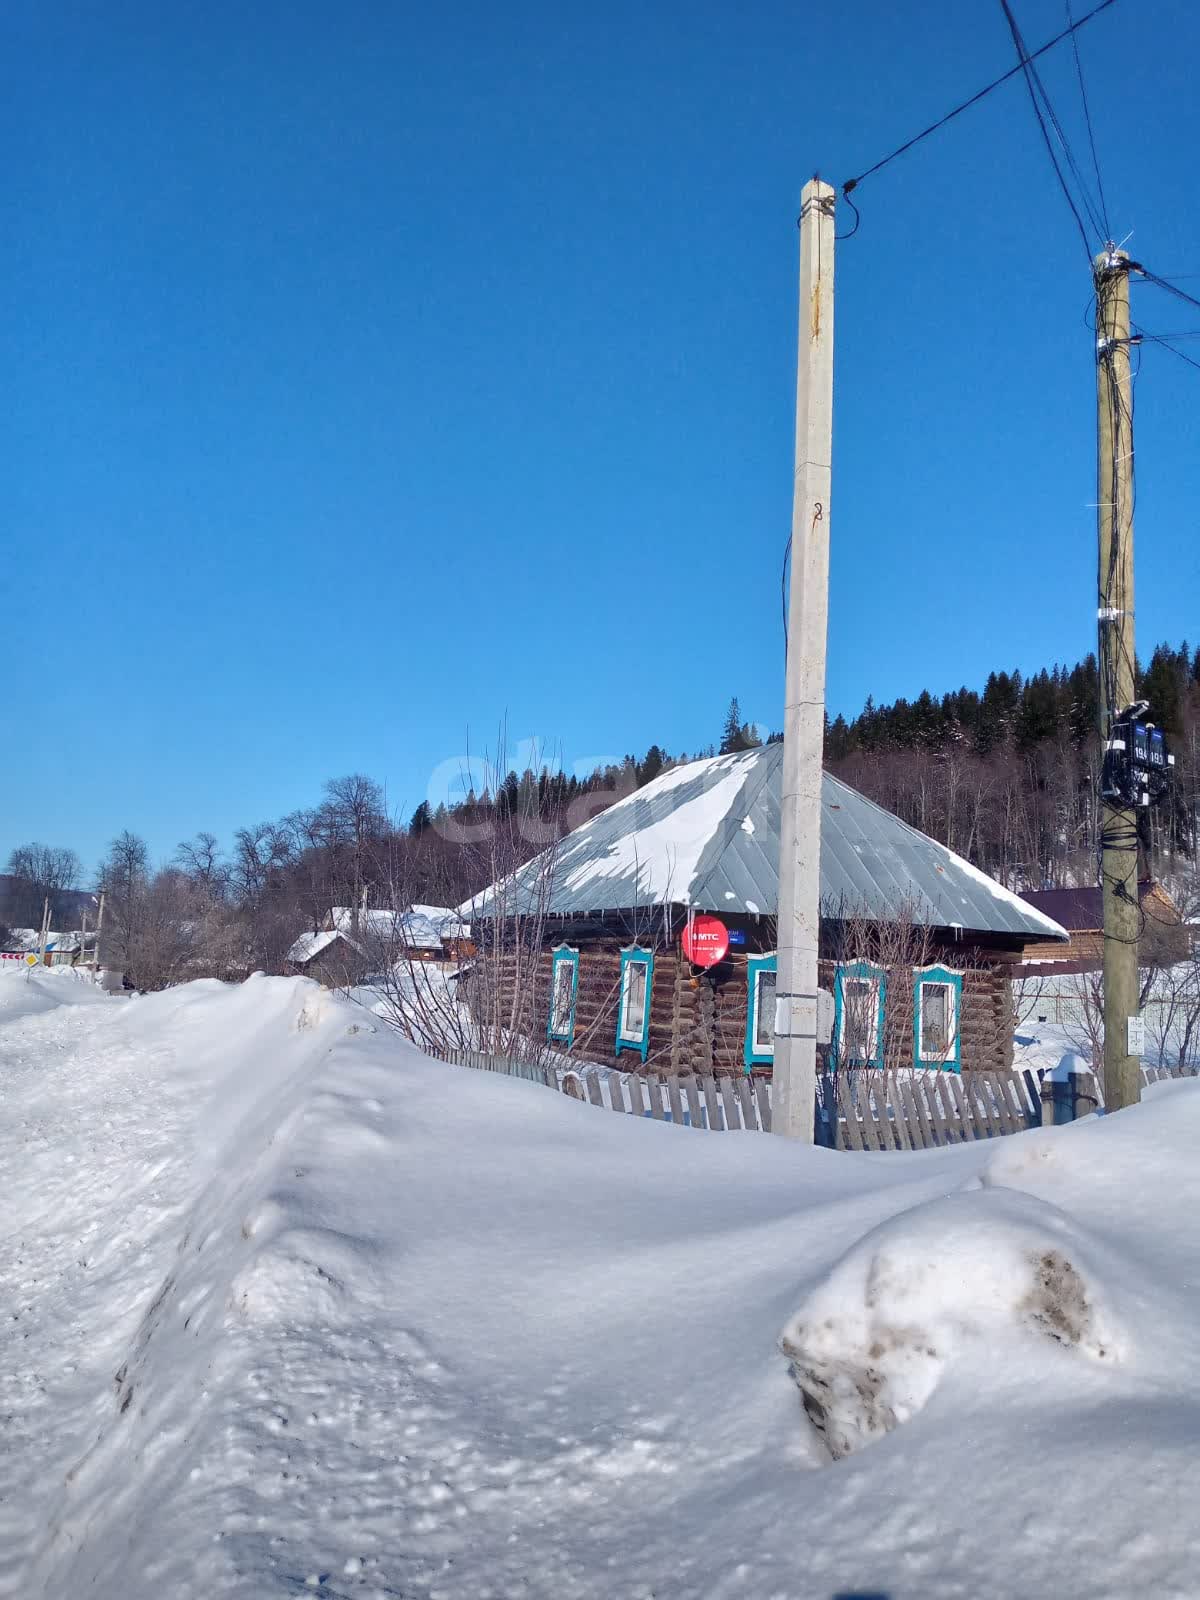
point(422, 928)
point(445, 921)
point(706, 835)
point(309, 945)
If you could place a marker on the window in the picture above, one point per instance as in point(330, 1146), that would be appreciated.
point(633, 1011)
point(760, 1011)
point(937, 998)
point(858, 999)
point(935, 1019)
point(564, 982)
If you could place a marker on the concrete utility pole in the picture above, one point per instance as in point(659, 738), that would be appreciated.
point(794, 1083)
point(1118, 821)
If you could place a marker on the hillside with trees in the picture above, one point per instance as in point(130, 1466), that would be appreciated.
point(1007, 776)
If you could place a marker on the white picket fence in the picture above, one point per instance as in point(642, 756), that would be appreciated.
point(862, 1109)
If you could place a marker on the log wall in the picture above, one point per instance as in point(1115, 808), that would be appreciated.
point(698, 1021)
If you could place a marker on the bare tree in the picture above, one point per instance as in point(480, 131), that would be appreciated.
point(201, 860)
point(40, 872)
point(1173, 1011)
point(124, 877)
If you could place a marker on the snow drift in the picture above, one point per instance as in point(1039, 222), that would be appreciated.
point(959, 1280)
point(292, 1309)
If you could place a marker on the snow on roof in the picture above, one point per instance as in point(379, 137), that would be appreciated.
point(31, 939)
point(309, 945)
point(445, 919)
point(346, 919)
point(418, 932)
point(706, 835)
point(422, 928)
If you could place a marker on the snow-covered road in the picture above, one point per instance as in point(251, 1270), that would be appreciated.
point(292, 1309)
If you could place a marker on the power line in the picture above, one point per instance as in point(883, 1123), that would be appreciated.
point(1157, 338)
point(1094, 215)
point(852, 183)
point(1035, 86)
point(1087, 117)
point(1171, 288)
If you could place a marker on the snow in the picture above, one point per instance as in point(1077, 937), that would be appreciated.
point(309, 945)
point(292, 1308)
point(421, 928)
point(999, 892)
point(447, 922)
point(663, 855)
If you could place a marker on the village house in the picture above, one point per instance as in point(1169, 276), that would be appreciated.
point(61, 949)
point(350, 945)
point(1164, 935)
point(917, 945)
point(422, 933)
point(332, 958)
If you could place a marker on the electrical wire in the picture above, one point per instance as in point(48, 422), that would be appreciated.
point(1036, 88)
point(1087, 117)
point(1165, 341)
point(857, 219)
point(1095, 216)
point(783, 593)
point(853, 183)
point(1171, 288)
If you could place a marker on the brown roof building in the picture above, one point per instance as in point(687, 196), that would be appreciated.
point(1081, 913)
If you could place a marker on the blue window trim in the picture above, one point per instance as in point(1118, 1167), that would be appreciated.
point(643, 958)
point(858, 969)
point(946, 975)
point(754, 966)
point(563, 953)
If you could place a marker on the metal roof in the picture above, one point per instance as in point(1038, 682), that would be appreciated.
point(706, 835)
point(1079, 910)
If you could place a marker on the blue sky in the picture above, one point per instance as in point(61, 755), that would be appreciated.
point(378, 372)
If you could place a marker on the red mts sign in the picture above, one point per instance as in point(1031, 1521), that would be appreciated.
point(706, 940)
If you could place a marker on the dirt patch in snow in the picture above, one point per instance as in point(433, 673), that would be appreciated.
point(955, 1280)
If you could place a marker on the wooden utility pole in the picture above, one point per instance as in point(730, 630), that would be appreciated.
point(794, 1080)
point(1118, 820)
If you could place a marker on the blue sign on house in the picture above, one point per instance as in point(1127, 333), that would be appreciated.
point(737, 936)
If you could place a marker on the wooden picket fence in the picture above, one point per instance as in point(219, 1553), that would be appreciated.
point(860, 1109)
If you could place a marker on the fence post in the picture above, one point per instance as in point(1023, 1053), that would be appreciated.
point(1067, 1096)
point(1031, 1102)
point(825, 1117)
point(1084, 1094)
point(1049, 1101)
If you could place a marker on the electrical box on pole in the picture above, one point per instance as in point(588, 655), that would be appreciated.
point(1137, 762)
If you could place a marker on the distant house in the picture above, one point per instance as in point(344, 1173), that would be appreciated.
point(1081, 913)
point(613, 900)
point(331, 957)
point(447, 928)
point(62, 949)
point(422, 933)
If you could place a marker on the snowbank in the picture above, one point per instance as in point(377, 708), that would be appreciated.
point(296, 1310)
point(26, 990)
point(964, 1283)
